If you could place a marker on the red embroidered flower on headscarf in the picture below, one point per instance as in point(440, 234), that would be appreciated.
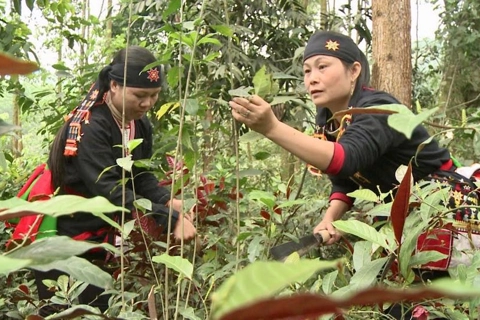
point(153, 75)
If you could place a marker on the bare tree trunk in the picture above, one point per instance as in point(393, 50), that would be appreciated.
point(17, 145)
point(392, 67)
point(109, 23)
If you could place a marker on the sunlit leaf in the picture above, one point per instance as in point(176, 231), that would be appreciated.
point(189, 313)
point(144, 204)
point(223, 29)
point(361, 254)
point(262, 82)
point(179, 264)
point(262, 279)
point(132, 144)
point(364, 194)
point(243, 92)
point(249, 173)
point(406, 123)
point(125, 163)
point(170, 106)
point(57, 206)
point(425, 257)
point(329, 282)
point(281, 99)
point(173, 6)
point(362, 230)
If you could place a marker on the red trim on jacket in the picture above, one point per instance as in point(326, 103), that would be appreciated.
point(342, 197)
point(447, 165)
point(338, 159)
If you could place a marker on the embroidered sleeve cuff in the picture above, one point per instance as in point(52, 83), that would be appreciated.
point(342, 197)
point(337, 160)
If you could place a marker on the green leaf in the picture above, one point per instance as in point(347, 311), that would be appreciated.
point(255, 248)
point(364, 194)
point(329, 282)
point(125, 163)
point(30, 4)
point(249, 173)
point(81, 270)
point(363, 278)
point(281, 99)
point(60, 67)
point(362, 230)
point(173, 6)
point(291, 203)
point(132, 144)
point(261, 155)
point(223, 29)
point(191, 106)
point(189, 313)
point(396, 108)
point(8, 264)
point(361, 254)
point(264, 197)
point(209, 39)
point(243, 92)
point(262, 82)
point(173, 76)
point(179, 264)
point(170, 106)
point(250, 136)
point(57, 206)
point(143, 204)
point(262, 279)
point(424, 257)
point(406, 123)
point(46, 250)
point(415, 227)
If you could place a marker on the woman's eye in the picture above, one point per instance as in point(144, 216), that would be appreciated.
point(306, 71)
point(322, 66)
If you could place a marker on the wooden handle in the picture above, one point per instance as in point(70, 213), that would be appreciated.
point(322, 236)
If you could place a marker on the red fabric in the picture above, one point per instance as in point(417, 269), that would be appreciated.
point(342, 197)
point(337, 160)
point(42, 190)
point(35, 174)
point(447, 165)
point(440, 240)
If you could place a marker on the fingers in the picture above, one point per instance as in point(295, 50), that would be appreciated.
point(241, 107)
point(334, 234)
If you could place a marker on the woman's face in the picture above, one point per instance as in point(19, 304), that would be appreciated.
point(329, 82)
point(137, 100)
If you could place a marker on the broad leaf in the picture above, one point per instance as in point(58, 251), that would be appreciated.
point(250, 136)
point(364, 194)
point(179, 264)
point(405, 123)
point(80, 269)
point(262, 279)
point(409, 243)
point(425, 257)
point(8, 264)
point(264, 197)
point(362, 252)
point(362, 230)
point(262, 82)
point(48, 249)
point(329, 282)
point(191, 106)
point(132, 144)
point(125, 163)
point(77, 311)
point(243, 92)
point(57, 206)
point(281, 99)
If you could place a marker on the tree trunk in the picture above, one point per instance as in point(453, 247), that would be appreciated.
point(17, 145)
point(392, 67)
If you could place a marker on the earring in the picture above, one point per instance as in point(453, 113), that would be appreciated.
point(352, 89)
